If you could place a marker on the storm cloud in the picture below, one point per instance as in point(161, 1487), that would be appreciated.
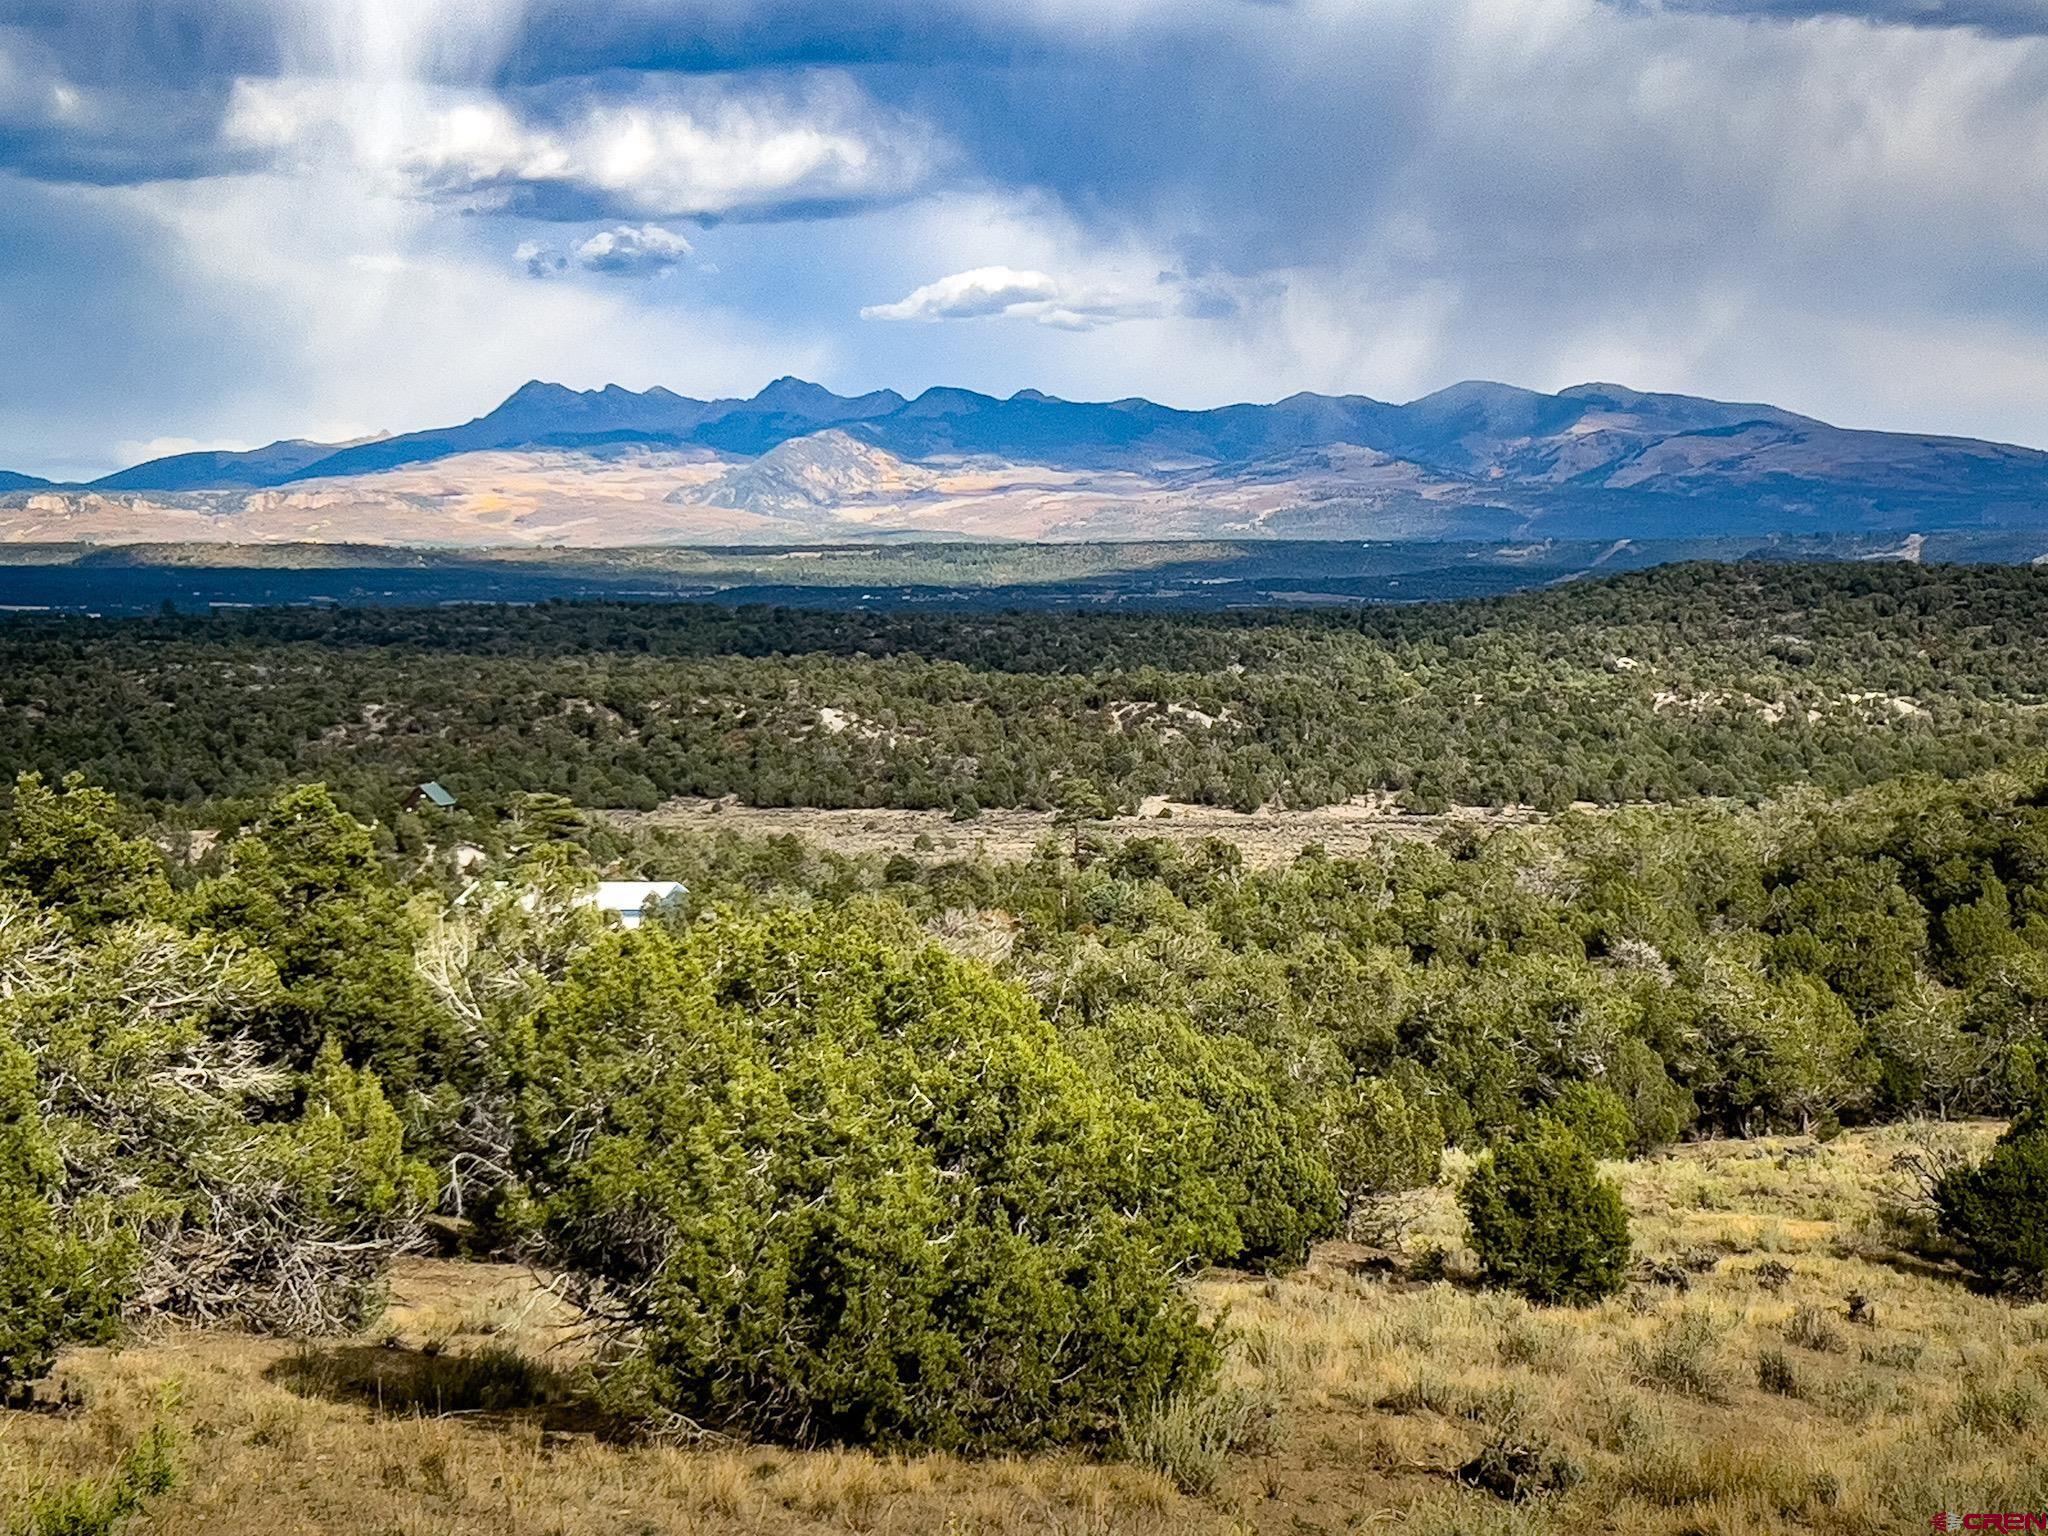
point(1197, 200)
point(2009, 17)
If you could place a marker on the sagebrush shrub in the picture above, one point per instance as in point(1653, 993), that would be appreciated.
point(1998, 1407)
point(1188, 1437)
point(1544, 1222)
point(1774, 1373)
point(1902, 1355)
point(1811, 1328)
point(104, 1506)
point(1680, 1358)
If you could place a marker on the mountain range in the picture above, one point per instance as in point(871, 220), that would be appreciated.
point(798, 463)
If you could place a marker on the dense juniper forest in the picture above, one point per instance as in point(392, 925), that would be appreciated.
point(1661, 685)
point(920, 1152)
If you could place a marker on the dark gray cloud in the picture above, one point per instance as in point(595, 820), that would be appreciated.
point(90, 124)
point(2011, 18)
point(105, 336)
point(126, 153)
point(558, 38)
point(162, 43)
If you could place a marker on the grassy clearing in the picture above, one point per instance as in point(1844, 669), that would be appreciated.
point(1727, 1391)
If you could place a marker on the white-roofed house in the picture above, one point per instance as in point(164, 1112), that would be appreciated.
point(633, 901)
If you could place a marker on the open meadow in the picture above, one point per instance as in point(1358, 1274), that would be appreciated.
point(1777, 1364)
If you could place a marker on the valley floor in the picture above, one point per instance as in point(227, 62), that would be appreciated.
point(1728, 1391)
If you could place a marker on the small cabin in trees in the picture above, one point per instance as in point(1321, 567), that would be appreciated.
point(430, 793)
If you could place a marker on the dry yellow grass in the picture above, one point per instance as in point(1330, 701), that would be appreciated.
point(1268, 838)
point(1383, 1388)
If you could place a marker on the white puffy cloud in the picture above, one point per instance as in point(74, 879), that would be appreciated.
point(538, 259)
point(632, 250)
point(968, 295)
point(625, 250)
point(984, 291)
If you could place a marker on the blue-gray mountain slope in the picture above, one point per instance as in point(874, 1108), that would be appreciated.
point(1594, 461)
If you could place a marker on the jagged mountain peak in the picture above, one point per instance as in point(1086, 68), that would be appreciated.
point(791, 391)
point(535, 391)
point(792, 396)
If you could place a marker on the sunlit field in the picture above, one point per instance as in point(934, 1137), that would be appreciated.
point(1777, 1364)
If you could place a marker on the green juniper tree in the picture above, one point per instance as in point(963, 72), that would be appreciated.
point(1544, 1222)
point(306, 888)
point(844, 1187)
point(55, 1288)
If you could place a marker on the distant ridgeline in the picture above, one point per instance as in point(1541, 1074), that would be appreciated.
point(925, 574)
point(1475, 461)
point(1685, 680)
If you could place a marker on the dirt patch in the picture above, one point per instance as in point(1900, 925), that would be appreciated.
point(1267, 838)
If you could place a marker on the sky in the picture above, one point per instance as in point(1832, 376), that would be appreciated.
point(228, 221)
